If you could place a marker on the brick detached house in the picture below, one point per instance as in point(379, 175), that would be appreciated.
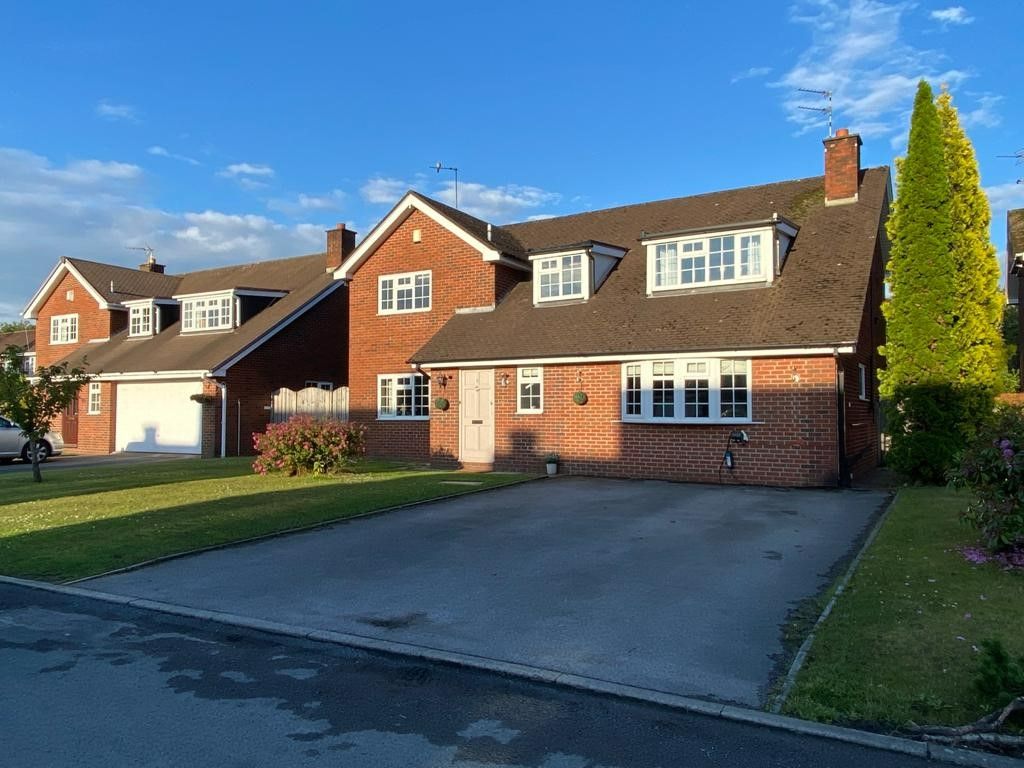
point(26, 339)
point(1015, 272)
point(633, 341)
point(187, 363)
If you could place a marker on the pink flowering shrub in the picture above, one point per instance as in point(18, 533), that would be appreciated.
point(993, 469)
point(305, 445)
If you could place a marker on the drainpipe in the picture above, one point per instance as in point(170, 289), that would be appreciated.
point(238, 429)
point(844, 468)
point(223, 418)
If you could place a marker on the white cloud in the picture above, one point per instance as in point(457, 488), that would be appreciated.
point(159, 151)
point(90, 209)
point(955, 14)
point(380, 190)
point(304, 203)
point(857, 52)
point(749, 73)
point(984, 115)
point(241, 170)
point(500, 204)
point(1003, 198)
point(111, 111)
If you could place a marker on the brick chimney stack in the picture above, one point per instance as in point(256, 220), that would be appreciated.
point(340, 243)
point(152, 266)
point(842, 167)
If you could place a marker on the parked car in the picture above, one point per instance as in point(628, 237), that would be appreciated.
point(13, 444)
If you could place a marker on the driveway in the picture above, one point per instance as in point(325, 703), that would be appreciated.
point(679, 588)
point(71, 460)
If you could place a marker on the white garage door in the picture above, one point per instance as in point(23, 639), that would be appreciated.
point(159, 417)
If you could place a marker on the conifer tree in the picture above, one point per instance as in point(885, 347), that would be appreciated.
point(919, 317)
point(978, 302)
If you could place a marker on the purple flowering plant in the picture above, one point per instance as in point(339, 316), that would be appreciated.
point(304, 445)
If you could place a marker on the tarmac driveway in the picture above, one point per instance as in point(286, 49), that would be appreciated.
point(679, 588)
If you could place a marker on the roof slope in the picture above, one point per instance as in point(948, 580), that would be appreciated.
point(304, 278)
point(117, 284)
point(25, 339)
point(817, 301)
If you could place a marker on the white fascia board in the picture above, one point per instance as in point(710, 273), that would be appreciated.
point(209, 294)
point(557, 254)
point(402, 210)
point(222, 368)
point(32, 310)
point(149, 375)
point(845, 349)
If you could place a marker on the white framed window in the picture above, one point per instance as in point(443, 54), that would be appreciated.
point(560, 277)
point(687, 390)
point(408, 292)
point(140, 320)
point(708, 260)
point(206, 313)
point(95, 397)
point(327, 386)
point(862, 381)
point(63, 329)
point(403, 396)
point(531, 390)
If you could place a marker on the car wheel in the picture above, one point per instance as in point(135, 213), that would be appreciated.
point(42, 451)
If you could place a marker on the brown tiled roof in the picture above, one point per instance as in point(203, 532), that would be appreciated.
point(26, 339)
point(501, 238)
point(817, 301)
point(127, 283)
point(303, 277)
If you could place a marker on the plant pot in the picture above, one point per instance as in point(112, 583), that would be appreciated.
point(552, 468)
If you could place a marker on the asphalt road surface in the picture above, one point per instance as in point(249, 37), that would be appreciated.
point(87, 683)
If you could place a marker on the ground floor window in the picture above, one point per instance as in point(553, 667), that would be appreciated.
point(687, 390)
point(95, 398)
point(531, 390)
point(402, 396)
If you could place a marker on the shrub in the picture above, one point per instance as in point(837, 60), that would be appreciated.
point(993, 469)
point(1000, 677)
point(304, 445)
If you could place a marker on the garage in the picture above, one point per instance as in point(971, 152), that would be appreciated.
point(159, 417)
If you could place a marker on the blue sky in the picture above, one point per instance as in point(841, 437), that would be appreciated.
point(229, 132)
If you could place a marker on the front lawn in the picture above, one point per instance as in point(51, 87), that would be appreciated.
point(901, 644)
point(84, 522)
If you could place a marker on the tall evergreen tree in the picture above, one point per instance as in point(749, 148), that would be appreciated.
point(919, 347)
point(978, 302)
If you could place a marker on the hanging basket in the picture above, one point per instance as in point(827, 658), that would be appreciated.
point(580, 397)
point(441, 403)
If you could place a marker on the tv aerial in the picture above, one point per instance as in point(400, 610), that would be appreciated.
point(826, 110)
point(438, 168)
point(150, 252)
point(1019, 157)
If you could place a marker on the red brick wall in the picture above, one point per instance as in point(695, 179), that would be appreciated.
point(793, 443)
point(384, 343)
point(842, 166)
point(96, 431)
point(93, 322)
point(311, 348)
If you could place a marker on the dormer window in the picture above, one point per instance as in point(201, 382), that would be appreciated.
point(572, 272)
point(695, 259)
point(206, 313)
point(140, 321)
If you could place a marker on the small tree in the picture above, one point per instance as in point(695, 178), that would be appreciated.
point(34, 403)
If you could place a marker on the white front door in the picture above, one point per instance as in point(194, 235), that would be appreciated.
point(476, 415)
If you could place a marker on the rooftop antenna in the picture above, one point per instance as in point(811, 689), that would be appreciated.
point(438, 167)
point(150, 252)
point(827, 111)
point(1019, 157)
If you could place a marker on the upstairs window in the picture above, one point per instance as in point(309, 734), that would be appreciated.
point(409, 292)
point(206, 313)
point(561, 277)
point(63, 329)
point(140, 320)
point(711, 390)
point(403, 396)
point(708, 260)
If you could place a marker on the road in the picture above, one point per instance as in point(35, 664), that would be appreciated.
point(88, 683)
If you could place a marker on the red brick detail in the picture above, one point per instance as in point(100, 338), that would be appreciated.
point(93, 322)
point(842, 166)
point(96, 430)
point(310, 348)
point(381, 344)
point(340, 243)
point(793, 442)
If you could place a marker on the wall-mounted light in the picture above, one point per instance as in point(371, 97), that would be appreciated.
point(503, 379)
point(442, 380)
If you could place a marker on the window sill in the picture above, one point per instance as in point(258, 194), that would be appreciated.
point(385, 312)
point(199, 331)
point(61, 343)
point(691, 422)
point(530, 412)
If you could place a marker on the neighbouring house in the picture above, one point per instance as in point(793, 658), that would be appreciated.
point(187, 363)
point(1015, 273)
point(26, 339)
point(639, 341)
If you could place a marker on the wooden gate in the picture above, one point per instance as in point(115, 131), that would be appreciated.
point(311, 401)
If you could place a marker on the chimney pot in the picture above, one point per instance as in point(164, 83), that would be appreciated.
point(340, 243)
point(842, 167)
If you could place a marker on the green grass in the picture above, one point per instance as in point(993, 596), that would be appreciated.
point(900, 644)
point(79, 523)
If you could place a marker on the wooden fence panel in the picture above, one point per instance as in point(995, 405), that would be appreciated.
point(311, 401)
